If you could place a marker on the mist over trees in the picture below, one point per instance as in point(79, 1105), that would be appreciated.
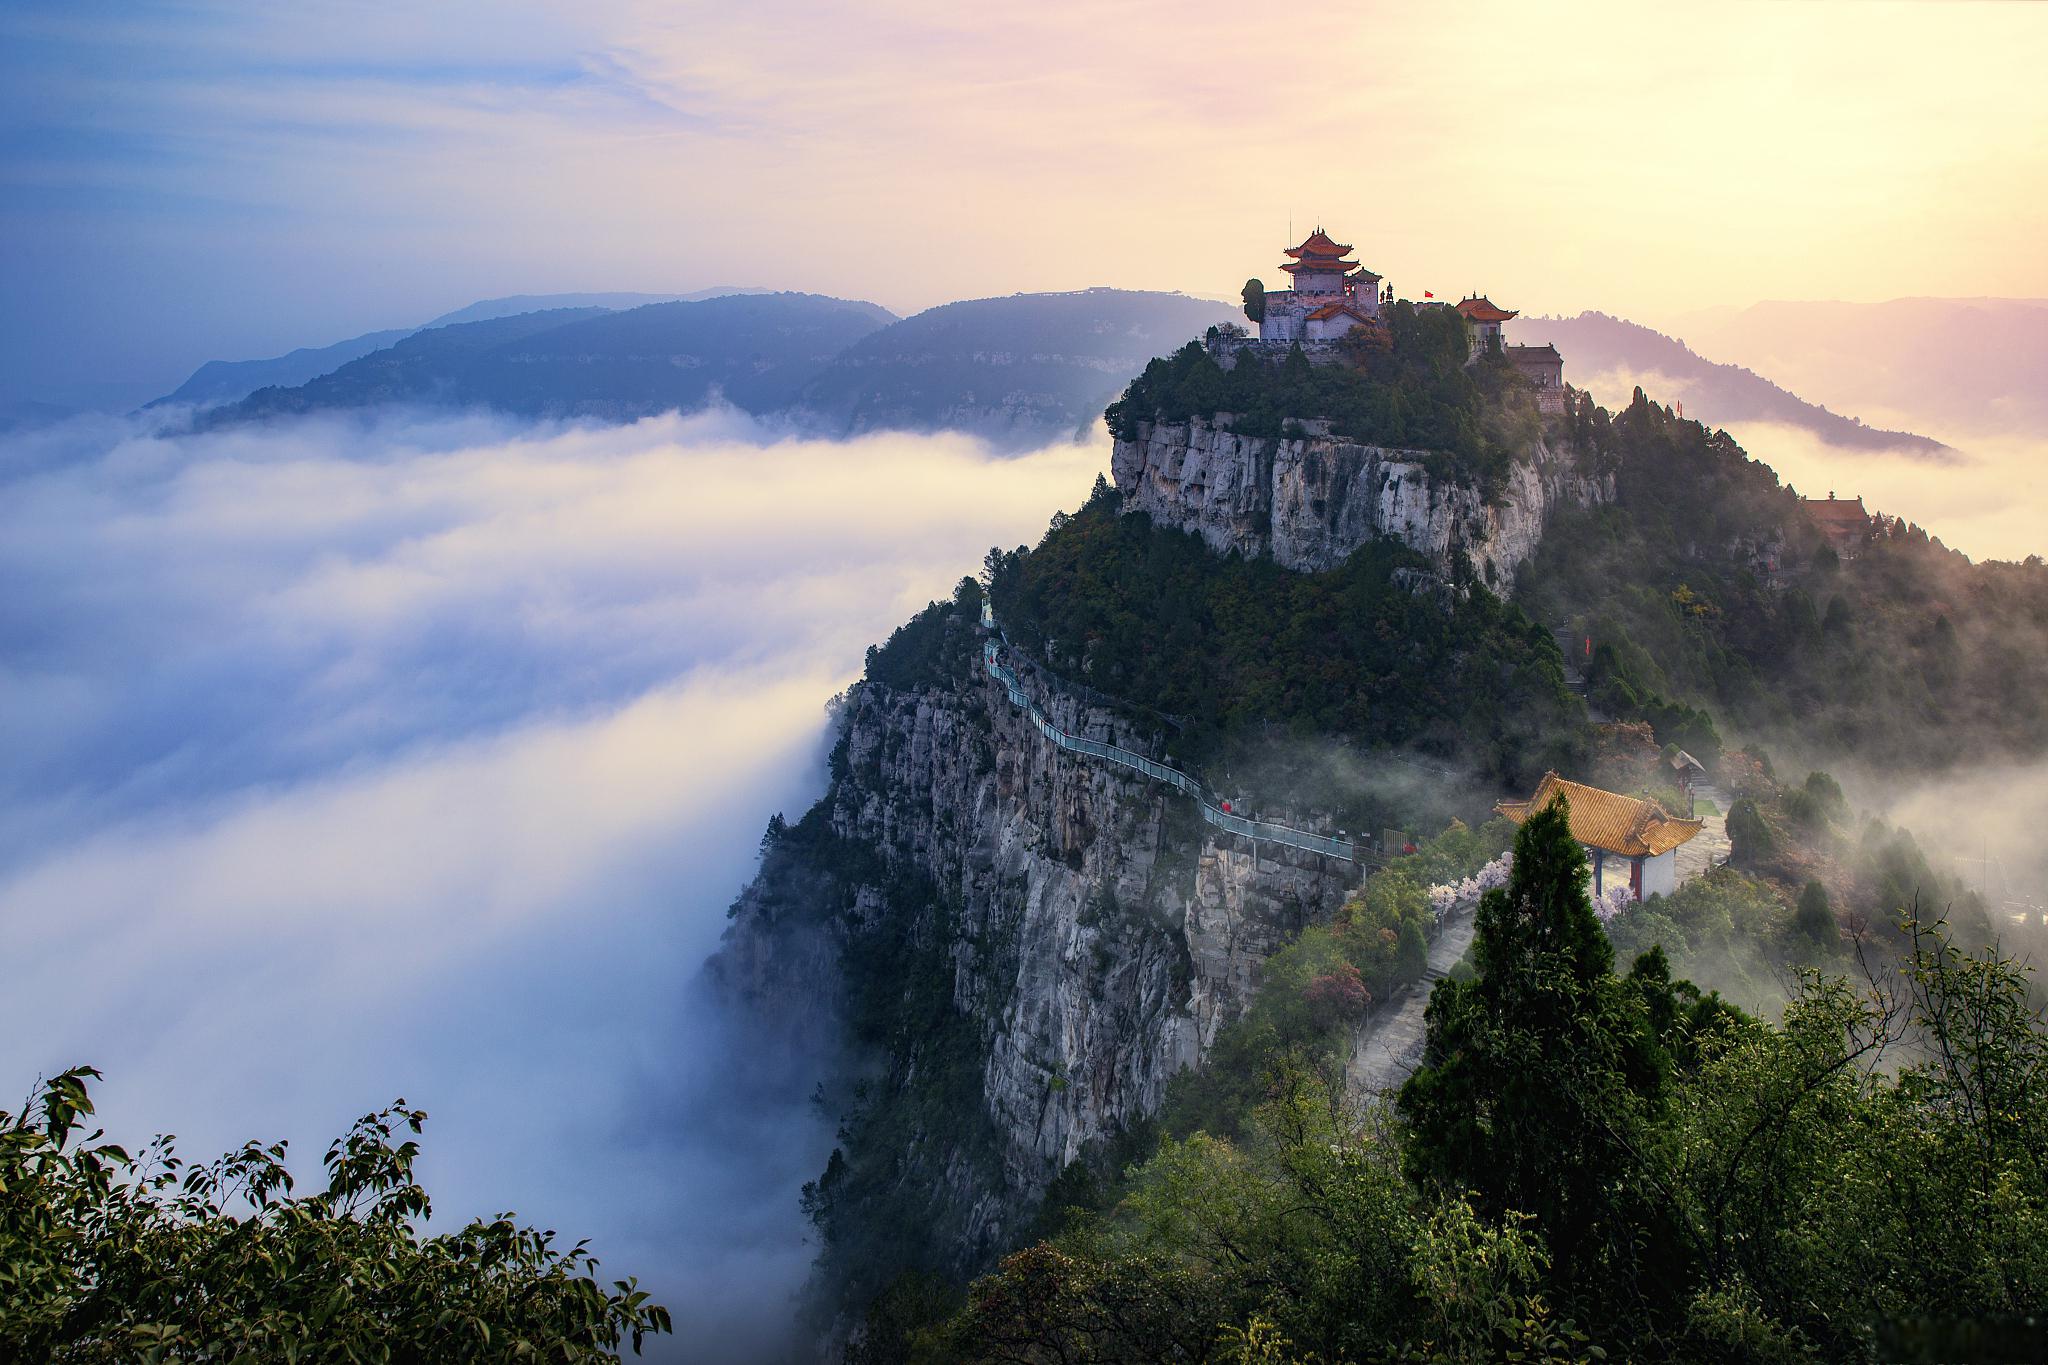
point(1591, 1161)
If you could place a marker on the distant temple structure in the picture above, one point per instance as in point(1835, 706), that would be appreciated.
point(1333, 295)
point(1628, 842)
point(1543, 367)
point(1486, 320)
point(1330, 296)
point(1843, 524)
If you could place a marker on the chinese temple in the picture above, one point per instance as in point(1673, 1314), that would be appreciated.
point(1486, 320)
point(1331, 294)
point(1628, 842)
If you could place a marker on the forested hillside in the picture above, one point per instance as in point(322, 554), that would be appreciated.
point(1242, 652)
point(1704, 582)
point(1597, 1161)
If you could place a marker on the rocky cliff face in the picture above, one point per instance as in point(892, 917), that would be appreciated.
point(1310, 501)
point(1092, 933)
point(1023, 945)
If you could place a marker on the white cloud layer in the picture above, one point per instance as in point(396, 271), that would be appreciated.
point(423, 757)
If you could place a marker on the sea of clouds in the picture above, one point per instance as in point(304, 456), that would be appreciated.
point(422, 756)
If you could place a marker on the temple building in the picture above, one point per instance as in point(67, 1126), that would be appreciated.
point(1628, 842)
point(1843, 523)
point(1486, 320)
point(1331, 295)
point(1543, 367)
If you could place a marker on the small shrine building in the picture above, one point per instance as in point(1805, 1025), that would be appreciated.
point(1628, 842)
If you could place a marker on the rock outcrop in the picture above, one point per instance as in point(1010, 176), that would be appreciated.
point(1031, 943)
point(1096, 932)
point(1309, 501)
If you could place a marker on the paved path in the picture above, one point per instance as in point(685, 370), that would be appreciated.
point(1389, 1046)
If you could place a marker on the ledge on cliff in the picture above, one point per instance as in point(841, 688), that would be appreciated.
point(1249, 652)
point(1408, 386)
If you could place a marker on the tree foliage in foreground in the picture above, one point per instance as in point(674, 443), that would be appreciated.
point(1590, 1165)
point(110, 1257)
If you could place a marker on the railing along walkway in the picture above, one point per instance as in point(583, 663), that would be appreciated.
point(991, 652)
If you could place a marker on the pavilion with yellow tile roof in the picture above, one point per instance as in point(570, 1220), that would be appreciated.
point(1618, 832)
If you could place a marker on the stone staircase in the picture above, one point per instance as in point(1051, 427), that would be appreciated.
point(1388, 1047)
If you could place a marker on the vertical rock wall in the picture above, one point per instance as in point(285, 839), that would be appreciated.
point(1309, 501)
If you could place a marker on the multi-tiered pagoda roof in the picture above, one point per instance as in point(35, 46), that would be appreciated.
point(1319, 255)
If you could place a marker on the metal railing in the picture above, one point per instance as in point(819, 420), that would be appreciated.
point(1094, 748)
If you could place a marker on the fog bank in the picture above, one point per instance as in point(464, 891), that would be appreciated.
point(421, 756)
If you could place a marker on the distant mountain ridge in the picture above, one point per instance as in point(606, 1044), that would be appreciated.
point(1958, 367)
point(1017, 371)
point(758, 350)
point(1608, 356)
point(225, 381)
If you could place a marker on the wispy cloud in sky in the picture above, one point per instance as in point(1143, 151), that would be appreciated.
point(230, 179)
point(423, 757)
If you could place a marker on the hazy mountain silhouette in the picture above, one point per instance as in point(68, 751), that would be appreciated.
point(513, 304)
point(1019, 371)
point(225, 381)
point(757, 349)
point(1957, 366)
point(1608, 356)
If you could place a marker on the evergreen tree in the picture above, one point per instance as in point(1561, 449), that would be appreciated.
point(1750, 840)
point(1814, 921)
point(1538, 1070)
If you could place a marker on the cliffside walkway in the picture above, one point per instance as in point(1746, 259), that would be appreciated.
point(1212, 811)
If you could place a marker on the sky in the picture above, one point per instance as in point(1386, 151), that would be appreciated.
point(421, 757)
point(188, 181)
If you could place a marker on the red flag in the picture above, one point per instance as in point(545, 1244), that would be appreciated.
point(1426, 294)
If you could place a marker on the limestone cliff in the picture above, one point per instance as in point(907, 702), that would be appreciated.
point(1087, 932)
point(1309, 501)
point(1021, 946)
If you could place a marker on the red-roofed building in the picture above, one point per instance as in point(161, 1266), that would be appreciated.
point(1486, 320)
point(1842, 523)
point(1322, 277)
point(1333, 296)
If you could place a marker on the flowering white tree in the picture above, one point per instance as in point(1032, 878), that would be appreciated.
point(1612, 902)
point(1451, 895)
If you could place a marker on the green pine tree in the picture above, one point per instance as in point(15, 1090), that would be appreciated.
point(1541, 1069)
